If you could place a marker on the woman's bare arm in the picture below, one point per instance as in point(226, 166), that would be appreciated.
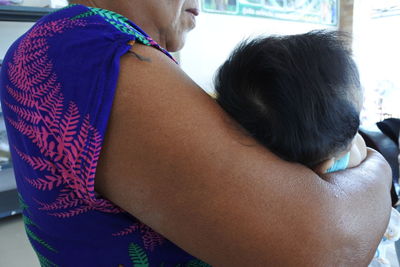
point(175, 160)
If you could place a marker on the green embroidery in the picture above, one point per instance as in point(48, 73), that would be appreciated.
point(126, 30)
point(27, 220)
point(33, 236)
point(197, 263)
point(44, 262)
point(107, 14)
point(22, 203)
point(118, 21)
point(138, 256)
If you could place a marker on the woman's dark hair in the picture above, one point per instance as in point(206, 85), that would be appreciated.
point(297, 95)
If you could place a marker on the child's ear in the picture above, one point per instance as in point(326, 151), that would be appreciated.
point(322, 167)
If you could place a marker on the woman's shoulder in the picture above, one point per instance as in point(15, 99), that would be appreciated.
point(81, 22)
point(82, 26)
point(80, 34)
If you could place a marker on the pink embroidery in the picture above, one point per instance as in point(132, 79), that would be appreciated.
point(132, 228)
point(150, 238)
point(69, 144)
point(67, 199)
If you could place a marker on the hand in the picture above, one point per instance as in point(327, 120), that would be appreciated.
point(371, 180)
point(358, 151)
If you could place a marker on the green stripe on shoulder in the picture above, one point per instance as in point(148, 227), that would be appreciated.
point(118, 21)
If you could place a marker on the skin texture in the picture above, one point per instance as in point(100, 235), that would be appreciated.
point(174, 159)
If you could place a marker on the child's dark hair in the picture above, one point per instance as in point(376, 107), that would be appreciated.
point(298, 95)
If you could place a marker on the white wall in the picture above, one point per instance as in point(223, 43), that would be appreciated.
point(376, 47)
point(9, 32)
point(215, 35)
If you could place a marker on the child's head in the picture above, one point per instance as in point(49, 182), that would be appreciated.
point(298, 95)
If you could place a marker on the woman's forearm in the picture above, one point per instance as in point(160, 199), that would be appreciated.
point(363, 206)
point(173, 159)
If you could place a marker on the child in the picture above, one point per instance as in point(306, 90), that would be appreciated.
point(300, 96)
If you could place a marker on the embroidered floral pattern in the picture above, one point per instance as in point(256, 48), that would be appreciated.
point(123, 25)
point(56, 145)
point(117, 20)
point(150, 238)
point(138, 256)
point(68, 143)
point(34, 237)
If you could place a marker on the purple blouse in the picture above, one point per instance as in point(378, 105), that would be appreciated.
point(57, 87)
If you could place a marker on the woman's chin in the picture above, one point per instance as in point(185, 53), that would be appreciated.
point(177, 45)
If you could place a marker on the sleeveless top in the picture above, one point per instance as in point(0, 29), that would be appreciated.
point(57, 87)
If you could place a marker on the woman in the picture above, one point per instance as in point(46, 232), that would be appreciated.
point(171, 160)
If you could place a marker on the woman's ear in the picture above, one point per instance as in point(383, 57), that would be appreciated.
point(322, 167)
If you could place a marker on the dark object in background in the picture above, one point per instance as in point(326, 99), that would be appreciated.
point(391, 128)
point(385, 141)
